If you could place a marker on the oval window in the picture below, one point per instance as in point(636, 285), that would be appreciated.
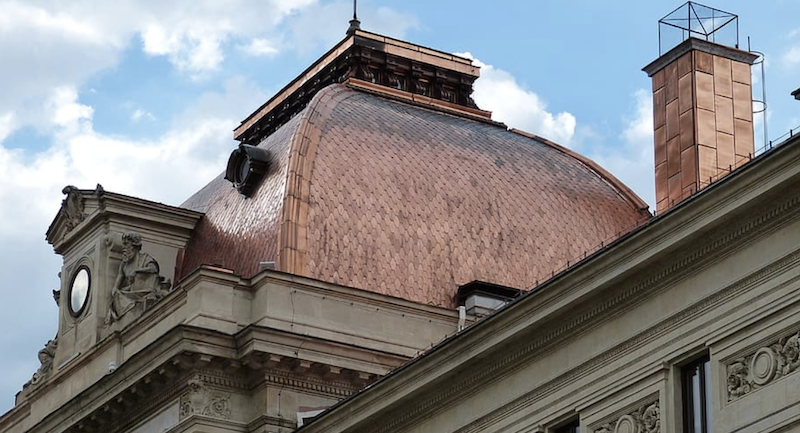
point(79, 291)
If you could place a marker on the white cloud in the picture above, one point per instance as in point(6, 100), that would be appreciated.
point(632, 162)
point(139, 114)
point(188, 155)
point(67, 112)
point(497, 91)
point(792, 56)
point(640, 127)
point(327, 23)
point(185, 157)
point(259, 47)
point(6, 125)
point(77, 39)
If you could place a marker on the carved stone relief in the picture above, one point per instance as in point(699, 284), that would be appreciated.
point(72, 206)
point(200, 400)
point(646, 419)
point(764, 366)
point(46, 356)
point(138, 285)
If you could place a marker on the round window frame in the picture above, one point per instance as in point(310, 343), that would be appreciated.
point(72, 312)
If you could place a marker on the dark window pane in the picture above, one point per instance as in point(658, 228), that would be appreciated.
point(573, 427)
point(697, 407)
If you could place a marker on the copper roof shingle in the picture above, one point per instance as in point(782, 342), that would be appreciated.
point(388, 197)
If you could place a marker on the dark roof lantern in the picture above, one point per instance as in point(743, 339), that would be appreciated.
point(247, 165)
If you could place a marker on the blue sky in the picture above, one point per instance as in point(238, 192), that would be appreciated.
point(142, 96)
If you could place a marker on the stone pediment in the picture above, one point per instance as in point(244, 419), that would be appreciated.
point(73, 211)
point(83, 209)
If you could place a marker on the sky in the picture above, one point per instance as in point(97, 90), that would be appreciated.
point(142, 97)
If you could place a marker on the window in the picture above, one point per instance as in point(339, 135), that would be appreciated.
point(570, 427)
point(697, 408)
point(79, 291)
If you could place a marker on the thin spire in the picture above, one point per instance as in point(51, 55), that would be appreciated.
point(355, 24)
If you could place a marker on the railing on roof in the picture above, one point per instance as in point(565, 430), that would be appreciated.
point(693, 20)
point(723, 173)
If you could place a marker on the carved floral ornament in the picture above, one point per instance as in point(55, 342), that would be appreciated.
point(646, 419)
point(764, 366)
point(200, 400)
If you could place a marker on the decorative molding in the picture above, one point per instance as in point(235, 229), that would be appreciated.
point(764, 366)
point(376, 62)
point(645, 419)
point(319, 386)
point(639, 340)
point(201, 400)
point(588, 317)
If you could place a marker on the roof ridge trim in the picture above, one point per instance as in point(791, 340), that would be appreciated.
point(292, 229)
point(623, 189)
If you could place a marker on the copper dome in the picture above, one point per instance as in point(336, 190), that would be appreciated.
point(389, 197)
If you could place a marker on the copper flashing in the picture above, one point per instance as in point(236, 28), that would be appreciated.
point(386, 62)
point(700, 45)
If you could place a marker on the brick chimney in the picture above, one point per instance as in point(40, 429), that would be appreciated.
point(702, 116)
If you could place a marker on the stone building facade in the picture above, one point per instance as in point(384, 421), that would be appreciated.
point(381, 256)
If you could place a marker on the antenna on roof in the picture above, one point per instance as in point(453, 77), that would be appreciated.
point(355, 24)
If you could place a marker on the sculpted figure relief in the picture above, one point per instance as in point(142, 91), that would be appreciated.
point(46, 356)
point(72, 206)
point(138, 282)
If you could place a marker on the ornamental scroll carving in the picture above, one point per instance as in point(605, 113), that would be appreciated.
point(646, 419)
point(200, 400)
point(764, 366)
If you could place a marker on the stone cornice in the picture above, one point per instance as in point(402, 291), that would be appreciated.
point(638, 343)
point(267, 340)
point(389, 63)
point(691, 44)
point(161, 371)
point(736, 198)
point(291, 281)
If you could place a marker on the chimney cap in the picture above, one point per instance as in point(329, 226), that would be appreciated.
point(699, 45)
